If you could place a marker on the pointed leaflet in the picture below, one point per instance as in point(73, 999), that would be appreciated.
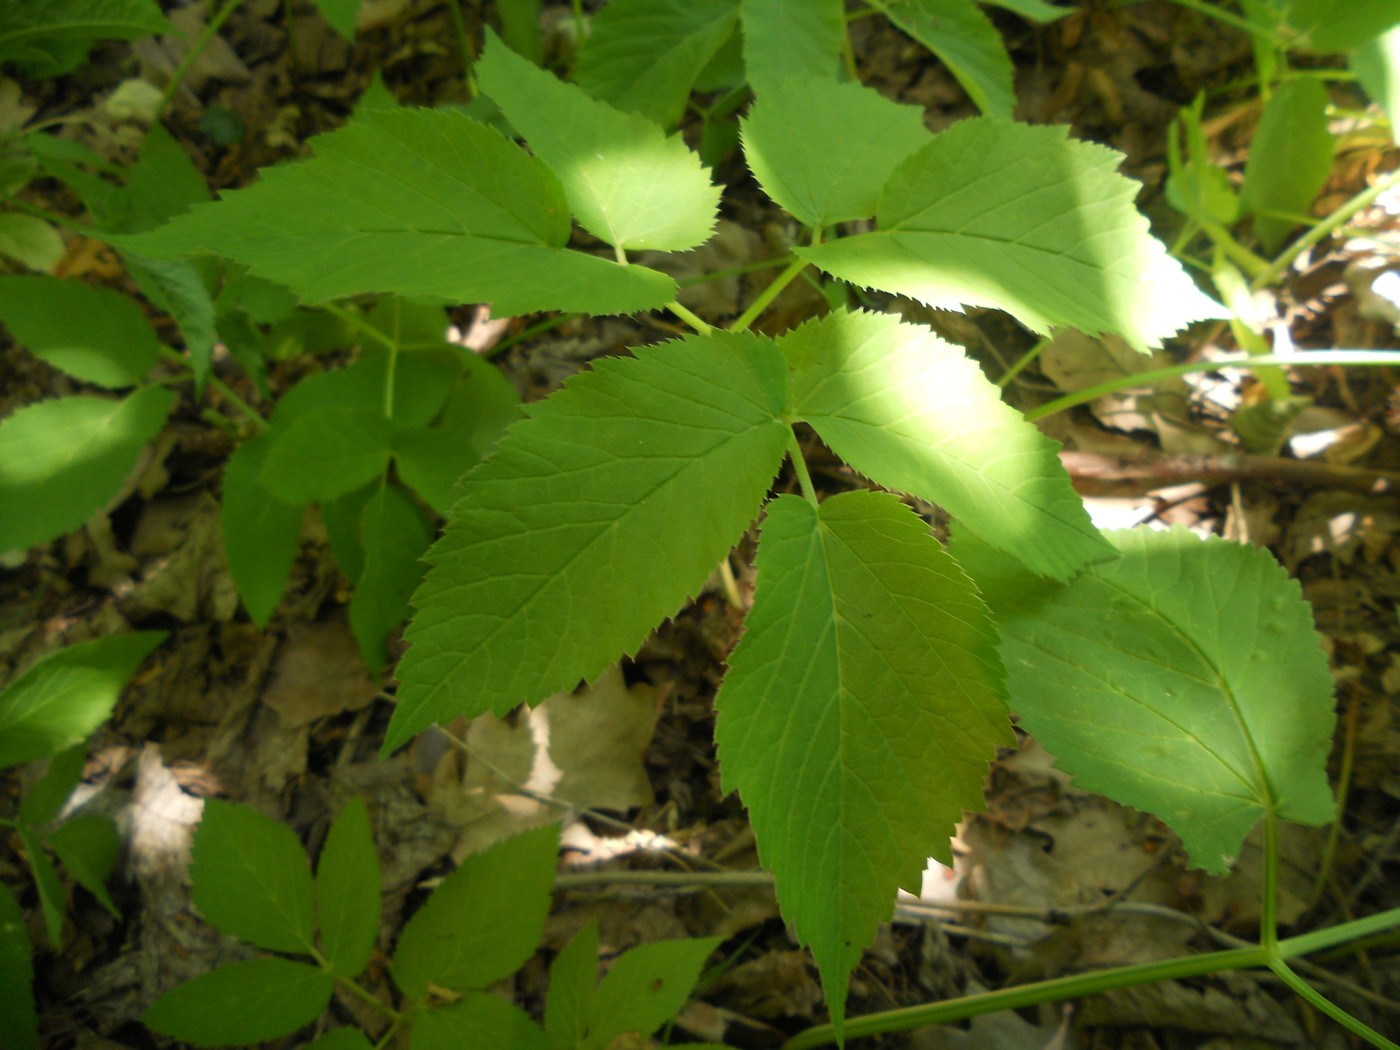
point(394, 535)
point(1184, 678)
point(94, 334)
point(965, 41)
point(824, 150)
point(1289, 160)
point(645, 988)
point(62, 460)
point(252, 879)
point(66, 695)
point(992, 213)
point(1035, 10)
point(243, 1003)
point(477, 1019)
point(483, 921)
point(573, 978)
point(594, 519)
point(426, 203)
point(644, 55)
point(347, 891)
point(791, 38)
point(912, 413)
point(262, 534)
point(859, 714)
point(625, 181)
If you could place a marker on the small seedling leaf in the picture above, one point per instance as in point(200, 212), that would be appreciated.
point(573, 979)
point(965, 41)
point(861, 709)
point(395, 535)
point(1289, 159)
point(824, 150)
point(63, 460)
point(483, 921)
point(243, 1003)
point(643, 55)
point(992, 213)
point(252, 879)
point(473, 219)
point(261, 533)
point(529, 589)
point(784, 39)
point(18, 1018)
point(626, 182)
point(914, 414)
point(478, 1019)
point(645, 988)
point(94, 334)
point(1159, 678)
point(348, 891)
point(59, 701)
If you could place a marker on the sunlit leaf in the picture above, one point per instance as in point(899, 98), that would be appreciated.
point(791, 38)
point(1289, 159)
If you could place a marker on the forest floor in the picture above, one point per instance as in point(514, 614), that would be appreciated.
point(1049, 880)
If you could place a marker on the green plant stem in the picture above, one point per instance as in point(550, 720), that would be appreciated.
point(765, 298)
point(799, 464)
point(182, 70)
point(689, 317)
point(1023, 362)
point(227, 392)
point(1299, 359)
point(360, 323)
point(1316, 999)
point(529, 332)
point(1323, 229)
point(1329, 849)
point(1241, 256)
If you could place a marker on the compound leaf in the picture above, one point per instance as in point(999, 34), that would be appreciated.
point(426, 203)
point(992, 213)
point(824, 150)
point(325, 453)
point(860, 711)
point(1289, 159)
point(62, 460)
point(595, 518)
point(643, 55)
point(243, 1003)
point(792, 38)
point(347, 891)
point(645, 988)
point(965, 41)
point(252, 879)
point(478, 1019)
point(913, 413)
point(59, 701)
point(626, 182)
point(1184, 678)
point(94, 334)
point(483, 921)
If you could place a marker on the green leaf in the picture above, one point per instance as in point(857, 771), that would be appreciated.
point(643, 55)
point(342, 518)
point(243, 1003)
point(53, 901)
point(30, 241)
point(860, 711)
point(341, 1039)
point(470, 218)
point(94, 334)
point(626, 182)
point(18, 1018)
point(1325, 26)
point(913, 413)
point(1184, 678)
point(1021, 218)
point(432, 460)
point(646, 987)
point(1035, 10)
point(88, 846)
point(520, 28)
point(63, 460)
point(347, 891)
point(45, 799)
point(669, 452)
point(326, 453)
point(49, 37)
point(161, 184)
point(178, 287)
point(483, 921)
point(824, 150)
point(791, 38)
point(343, 16)
point(252, 879)
point(1289, 160)
point(59, 701)
point(262, 534)
point(394, 536)
point(965, 41)
point(1377, 65)
point(479, 1019)
point(573, 977)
